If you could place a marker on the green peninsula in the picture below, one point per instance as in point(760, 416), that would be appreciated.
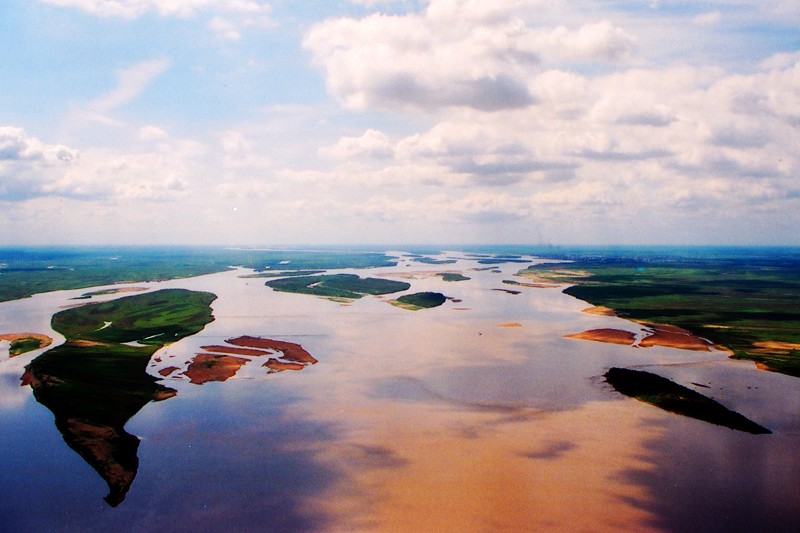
point(747, 306)
point(97, 380)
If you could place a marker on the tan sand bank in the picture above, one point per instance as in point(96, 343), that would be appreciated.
point(206, 367)
point(600, 310)
point(607, 335)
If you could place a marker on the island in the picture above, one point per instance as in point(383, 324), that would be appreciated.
point(668, 395)
point(344, 286)
point(97, 380)
point(420, 300)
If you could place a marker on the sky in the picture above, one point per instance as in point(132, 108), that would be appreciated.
point(249, 122)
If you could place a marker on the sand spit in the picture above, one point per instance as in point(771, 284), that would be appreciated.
point(291, 351)
point(510, 325)
point(600, 310)
point(674, 337)
point(656, 335)
point(607, 335)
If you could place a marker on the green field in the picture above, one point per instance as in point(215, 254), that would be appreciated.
point(741, 305)
point(28, 271)
point(347, 286)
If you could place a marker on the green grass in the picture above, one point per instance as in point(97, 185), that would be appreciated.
point(735, 304)
point(347, 286)
point(23, 345)
point(154, 318)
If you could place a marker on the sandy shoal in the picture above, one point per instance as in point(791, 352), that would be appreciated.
point(607, 335)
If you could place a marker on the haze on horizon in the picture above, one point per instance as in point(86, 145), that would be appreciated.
point(382, 121)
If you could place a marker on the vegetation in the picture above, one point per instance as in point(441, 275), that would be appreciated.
point(152, 319)
point(431, 261)
point(284, 274)
point(748, 306)
point(97, 380)
point(24, 345)
point(28, 271)
point(347, 286)
point(668, 395)
point(420, 300)
point(452, 276)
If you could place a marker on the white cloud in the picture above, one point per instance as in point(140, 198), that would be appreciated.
point(16, 145)
point(131, 82)
point(372, 143)
point(225, 29)
point(27, 165)
point(152, 133)
point(455, 53)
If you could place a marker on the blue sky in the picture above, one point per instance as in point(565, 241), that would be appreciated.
point(428, 121)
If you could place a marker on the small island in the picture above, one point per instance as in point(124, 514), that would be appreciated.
point(668, 395)
point(20, 343)
point(420, 300)
point(345, 286)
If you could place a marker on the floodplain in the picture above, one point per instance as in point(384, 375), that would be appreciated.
point(216, 402)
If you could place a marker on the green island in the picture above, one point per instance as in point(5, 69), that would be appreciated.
point(28, 271)
point(670, 396)
point(24, 345)
point(452, 276)
point(282, 274)
point(97, 380)
point(347, 286)
point(420, 300)
point(747, 306)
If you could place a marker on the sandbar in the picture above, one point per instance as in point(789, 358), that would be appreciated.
point(600, 310)
point(674, 337)
point(291, 351)
point(607, 335)
point(657, 335)
point(207, 367)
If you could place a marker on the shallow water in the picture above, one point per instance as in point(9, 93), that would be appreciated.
point(433, 420)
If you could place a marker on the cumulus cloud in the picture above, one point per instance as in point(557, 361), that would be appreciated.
point(455, 53)
point(31, 169)
point(27, 165)
point(372, 143)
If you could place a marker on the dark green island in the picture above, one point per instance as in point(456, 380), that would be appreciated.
point(345, 286)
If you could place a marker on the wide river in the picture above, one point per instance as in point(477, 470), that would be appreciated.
point(478, 415)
